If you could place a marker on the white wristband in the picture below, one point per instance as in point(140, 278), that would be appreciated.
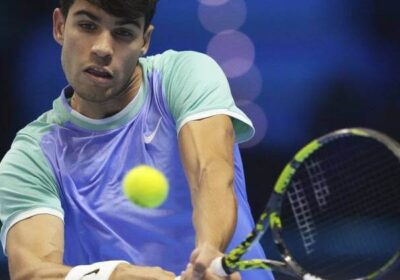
point(95, 271)
point(216, 267)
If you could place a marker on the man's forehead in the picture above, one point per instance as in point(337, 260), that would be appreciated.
point(94, 12)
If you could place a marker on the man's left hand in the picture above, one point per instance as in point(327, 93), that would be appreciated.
point(200, 260)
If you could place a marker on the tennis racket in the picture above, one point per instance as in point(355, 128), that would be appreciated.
point(334, 212)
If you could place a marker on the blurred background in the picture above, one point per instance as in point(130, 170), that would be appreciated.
point(299, 69)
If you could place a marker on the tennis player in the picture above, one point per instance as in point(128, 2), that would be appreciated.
point(61, 202)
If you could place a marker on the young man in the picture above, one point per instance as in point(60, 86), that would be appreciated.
point(61, 201)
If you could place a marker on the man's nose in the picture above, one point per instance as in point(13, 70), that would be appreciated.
point(102, 48)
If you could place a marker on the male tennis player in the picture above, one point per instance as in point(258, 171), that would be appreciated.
point(61, 202)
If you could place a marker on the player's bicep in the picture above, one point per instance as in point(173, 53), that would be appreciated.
point(33, 241)
point(207, 143)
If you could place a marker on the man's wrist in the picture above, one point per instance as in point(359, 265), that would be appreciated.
point(95, 271)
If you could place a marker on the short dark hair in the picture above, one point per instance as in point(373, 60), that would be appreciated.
point(120, 8)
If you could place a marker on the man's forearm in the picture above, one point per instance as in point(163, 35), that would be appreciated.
point(215, 207)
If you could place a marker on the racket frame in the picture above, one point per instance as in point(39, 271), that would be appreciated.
point(271, 218)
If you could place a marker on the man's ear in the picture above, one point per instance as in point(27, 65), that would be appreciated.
point(58, 26)
point(147, 38)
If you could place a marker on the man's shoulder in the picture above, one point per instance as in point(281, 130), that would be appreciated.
point(33, 132)
point(170, 60)
point(26, 153)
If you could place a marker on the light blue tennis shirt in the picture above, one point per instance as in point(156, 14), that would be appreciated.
point(67, 165)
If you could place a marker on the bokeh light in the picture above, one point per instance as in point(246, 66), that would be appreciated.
point(248, 86)
point(213, 2)
point(230, 15)
point(234, 51)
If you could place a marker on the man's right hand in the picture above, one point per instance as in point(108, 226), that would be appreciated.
point(128, 272)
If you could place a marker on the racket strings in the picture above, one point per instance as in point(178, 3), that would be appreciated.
point(376, 176)
point(303, 216)
point(344, 198)
point(377, 169)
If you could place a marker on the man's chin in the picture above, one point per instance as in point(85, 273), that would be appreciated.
point(94, 94)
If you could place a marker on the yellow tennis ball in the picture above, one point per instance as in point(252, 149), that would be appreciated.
point(146, 186)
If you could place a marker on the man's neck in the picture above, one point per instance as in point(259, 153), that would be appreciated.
point(101, 110)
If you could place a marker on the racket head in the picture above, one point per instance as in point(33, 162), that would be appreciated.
point(335, 210)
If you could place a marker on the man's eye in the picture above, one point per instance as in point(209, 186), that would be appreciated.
point(124, 33)
point(87, 26)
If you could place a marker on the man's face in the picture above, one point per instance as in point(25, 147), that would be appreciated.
point(99, 51)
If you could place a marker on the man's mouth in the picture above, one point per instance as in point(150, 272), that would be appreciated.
point(99, 72)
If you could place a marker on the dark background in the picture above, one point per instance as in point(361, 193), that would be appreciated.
point(298, 68)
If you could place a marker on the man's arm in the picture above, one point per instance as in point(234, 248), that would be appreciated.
point(207, 154)
point(35, 248)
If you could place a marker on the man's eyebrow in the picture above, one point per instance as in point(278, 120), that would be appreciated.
point(88, 14)
point(126, 21)
point(123, 21)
